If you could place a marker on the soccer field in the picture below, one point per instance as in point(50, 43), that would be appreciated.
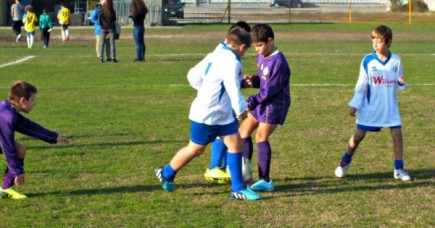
point(125, 119)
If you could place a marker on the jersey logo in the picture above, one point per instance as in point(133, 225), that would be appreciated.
point(378, 80)
point(265, 72)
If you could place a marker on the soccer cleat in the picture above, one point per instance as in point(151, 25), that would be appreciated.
point(167, 185)
point(401, 174)
point(262, 186)
point(341, 170)
point(11, 194)
point(245, 194)
point(217, 175)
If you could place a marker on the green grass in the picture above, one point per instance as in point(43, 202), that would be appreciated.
point(125, 119)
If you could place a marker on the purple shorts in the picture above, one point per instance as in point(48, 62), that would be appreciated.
point(271, 114)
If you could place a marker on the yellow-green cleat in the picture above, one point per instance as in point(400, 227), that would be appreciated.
point(11, 194)
point(217, 175)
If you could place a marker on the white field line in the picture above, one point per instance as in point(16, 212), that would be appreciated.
point(186, 85)
point(18, 61)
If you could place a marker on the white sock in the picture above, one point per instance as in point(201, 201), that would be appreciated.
point(32, 38)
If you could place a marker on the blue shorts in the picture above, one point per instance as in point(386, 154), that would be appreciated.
point(203, 134)
point(373, 129)
point(65, 26)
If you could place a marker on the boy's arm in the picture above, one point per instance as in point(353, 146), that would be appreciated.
point(94, 17)
point(232, 87)
point(32, 129)
point(196, 73)
point(360, 89)
point(401, 81)
point(273, 85)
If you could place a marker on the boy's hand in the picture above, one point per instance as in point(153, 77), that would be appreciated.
point(352, 111)
point(401, 80)
point(247, 81)
point(242, 116)
point(19, 180)
point(62, 139)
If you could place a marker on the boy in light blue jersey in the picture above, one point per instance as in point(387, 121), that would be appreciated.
point(212, 113)
point(375, 100)
point(217, 170)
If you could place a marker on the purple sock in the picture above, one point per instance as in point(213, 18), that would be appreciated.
point(264, 156)
point(247, 148)
point(9, 180)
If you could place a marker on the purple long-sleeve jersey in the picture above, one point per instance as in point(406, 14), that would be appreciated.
point(271, 104)
point(11, 121)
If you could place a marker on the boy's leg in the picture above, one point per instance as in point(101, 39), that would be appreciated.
point(217, 154)
point(399, 172)
point(167, 173)
point(264, 158)
point(353, 144)
point(246, 128)
point(234, 156)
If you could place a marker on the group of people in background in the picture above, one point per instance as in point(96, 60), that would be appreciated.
point(26, 16)
point(103, 18)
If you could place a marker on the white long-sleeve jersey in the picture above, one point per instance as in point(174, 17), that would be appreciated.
point(217, 79)
point(376, 91)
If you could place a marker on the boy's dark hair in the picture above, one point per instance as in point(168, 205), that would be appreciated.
point(21, 89)
point(242, 25)
point(45, 10)
point(383, 32)
point(261, 33)
point(239, 36)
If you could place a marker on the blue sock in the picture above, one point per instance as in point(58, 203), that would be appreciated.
point(218, 154)
point(168, 172)
point(346, 158)
point(235, 165)
point(398, 164)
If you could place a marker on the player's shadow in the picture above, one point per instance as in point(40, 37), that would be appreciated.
point(355, 182)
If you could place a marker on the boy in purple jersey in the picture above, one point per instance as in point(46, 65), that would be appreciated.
point(375, 100)
point(21, 99)
point(269, 106)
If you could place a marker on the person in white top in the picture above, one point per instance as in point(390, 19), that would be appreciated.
point(217, 80)
point(17, 11)
point(375, 100)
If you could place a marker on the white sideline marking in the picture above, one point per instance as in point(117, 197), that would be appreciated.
point(18, 61)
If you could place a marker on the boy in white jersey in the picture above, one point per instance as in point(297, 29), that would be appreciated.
point(216, 78)
point(375, 100)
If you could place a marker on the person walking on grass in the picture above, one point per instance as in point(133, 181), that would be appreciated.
point(21, 99)
point(64, 18)
point(45, 25)
point(17, 11)
point(375, 102)
point(29, 25)
point(217, 80)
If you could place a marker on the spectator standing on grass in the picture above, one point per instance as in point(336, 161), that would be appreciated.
point(64, 18)
point(217, 80)
point(45, 25)
point(138, 11)
point(17, 11)
point(107, 20)
point(29, 25)
point(21, 99)
point(97, 30)
point(375, 102)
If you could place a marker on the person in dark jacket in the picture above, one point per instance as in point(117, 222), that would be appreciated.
point(107, 20)
point(138, 11)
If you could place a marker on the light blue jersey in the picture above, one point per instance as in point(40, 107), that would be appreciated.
point(376, 91)
point(217, 79)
